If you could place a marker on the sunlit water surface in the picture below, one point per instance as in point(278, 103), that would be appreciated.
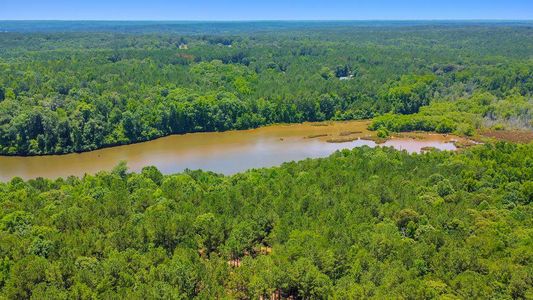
point(224, 152)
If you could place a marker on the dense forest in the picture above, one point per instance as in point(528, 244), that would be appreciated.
point(366, 223)
point(65, 89)
point(359, 224)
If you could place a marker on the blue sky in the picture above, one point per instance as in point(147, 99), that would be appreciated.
point(265, 9)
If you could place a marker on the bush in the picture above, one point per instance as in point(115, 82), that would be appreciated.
point(399, 123)
point(383, 133)
point(465, 129)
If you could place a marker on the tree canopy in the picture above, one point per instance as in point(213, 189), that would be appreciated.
point(74, 91)
point(366, 223)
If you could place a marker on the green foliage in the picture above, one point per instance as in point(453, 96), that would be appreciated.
point(463, 116)
point(383, 132)
point(399, 123)
point(409, 94)
point(365, 223)
point(76, 90)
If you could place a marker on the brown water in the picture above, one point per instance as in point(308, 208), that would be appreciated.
point(222, 152)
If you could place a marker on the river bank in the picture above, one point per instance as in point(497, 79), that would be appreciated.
point(227, 152)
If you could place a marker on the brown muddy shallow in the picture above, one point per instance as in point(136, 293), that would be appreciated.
point(222, 152)
point(515, 136)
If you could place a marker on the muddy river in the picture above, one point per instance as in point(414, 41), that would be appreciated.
point(222, 152)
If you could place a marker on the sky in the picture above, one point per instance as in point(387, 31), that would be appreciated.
point(222, 10)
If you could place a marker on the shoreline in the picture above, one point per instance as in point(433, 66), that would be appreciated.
point(226, 152)
point(110, 146)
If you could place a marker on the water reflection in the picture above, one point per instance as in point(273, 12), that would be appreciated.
point(227, 152)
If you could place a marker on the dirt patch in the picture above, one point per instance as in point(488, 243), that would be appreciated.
point(428, 148)
point(463, 143)
point(346, 133)
point(342, 139)
point(378, 140)
point(516, 136)
point(313, 136)
point(415, 135)
point(319, 124)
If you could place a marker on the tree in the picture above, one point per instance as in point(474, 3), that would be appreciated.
point(209, 232)
point(28, 276)
point(342, 71)
point(308, 282)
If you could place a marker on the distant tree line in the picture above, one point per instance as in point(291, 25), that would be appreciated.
point(72, 92)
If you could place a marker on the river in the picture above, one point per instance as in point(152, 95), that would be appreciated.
point(222, 152)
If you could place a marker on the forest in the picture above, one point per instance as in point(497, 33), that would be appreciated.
point(65, 90)
point(366, 223)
